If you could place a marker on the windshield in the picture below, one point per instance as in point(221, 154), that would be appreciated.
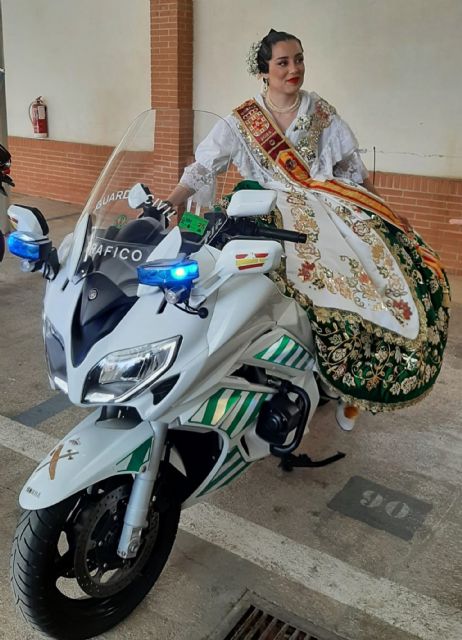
point(117, 238)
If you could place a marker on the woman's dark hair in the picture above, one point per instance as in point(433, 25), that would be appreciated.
point(265, 53)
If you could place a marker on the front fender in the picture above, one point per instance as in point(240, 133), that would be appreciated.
point(93, 451)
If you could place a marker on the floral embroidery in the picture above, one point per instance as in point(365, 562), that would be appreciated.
point(367, 230)
point(314, 124)
point(361, 228)
point(306, 271)
point(402, 310)
point(303, 123)
point(368, 365)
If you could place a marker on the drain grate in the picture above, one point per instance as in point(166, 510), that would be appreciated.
point(256, 624)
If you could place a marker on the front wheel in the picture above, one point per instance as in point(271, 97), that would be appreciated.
point(67, 578)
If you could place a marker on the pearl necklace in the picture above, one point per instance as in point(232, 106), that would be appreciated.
point(277, 109)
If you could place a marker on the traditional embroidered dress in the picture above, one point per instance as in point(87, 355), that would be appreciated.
point(375, 293)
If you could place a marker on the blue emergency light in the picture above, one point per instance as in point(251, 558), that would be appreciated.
point(22, 247)
point(168, 273)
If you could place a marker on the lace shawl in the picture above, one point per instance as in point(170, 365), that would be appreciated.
point(334, 154)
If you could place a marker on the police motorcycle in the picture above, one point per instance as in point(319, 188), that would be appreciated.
point(194, 363)
point(5, 178)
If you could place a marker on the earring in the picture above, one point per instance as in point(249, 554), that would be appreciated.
point(265, 85)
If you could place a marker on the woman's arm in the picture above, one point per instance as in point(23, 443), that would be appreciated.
point(179, 195)
point(211, 158)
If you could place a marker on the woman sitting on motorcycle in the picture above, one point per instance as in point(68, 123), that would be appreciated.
point(376, 295)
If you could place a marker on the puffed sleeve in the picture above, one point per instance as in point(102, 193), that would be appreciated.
point(212, 156)
point(338, 154)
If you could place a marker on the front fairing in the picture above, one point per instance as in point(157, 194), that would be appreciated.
point(143, 324)
point(110, 241)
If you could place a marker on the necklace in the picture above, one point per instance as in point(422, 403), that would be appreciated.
point(277, 109)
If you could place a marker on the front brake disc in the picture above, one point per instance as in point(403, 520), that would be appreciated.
point(99, 571)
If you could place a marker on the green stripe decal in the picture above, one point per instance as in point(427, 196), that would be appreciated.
point(230, 456)
point(240, 414)
point(267, 354)
point(225, 473)
point(298, 360)
point(228, 474)
point(282, 351)
point(216, 407)
point(295, 348)
point(234, 476)
point(256, 411)
point(136, 458)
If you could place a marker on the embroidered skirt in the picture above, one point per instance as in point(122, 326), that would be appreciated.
point(377, 301)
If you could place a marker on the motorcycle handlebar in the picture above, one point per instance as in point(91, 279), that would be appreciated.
point(282, 234)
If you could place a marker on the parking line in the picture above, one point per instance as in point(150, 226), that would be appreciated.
point(420, 616)
point(28, 442)
point(43, 411)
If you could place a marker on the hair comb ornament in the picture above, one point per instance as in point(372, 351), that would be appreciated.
point(251, 60)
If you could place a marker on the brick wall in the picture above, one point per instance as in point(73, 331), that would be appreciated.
point(58, 170)
point(429, 204)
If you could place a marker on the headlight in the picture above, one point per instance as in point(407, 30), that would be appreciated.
point(123, 374)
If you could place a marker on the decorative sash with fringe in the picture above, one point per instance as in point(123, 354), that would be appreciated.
point(278, 149)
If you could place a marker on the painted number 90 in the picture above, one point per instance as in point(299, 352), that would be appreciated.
point(393, 508)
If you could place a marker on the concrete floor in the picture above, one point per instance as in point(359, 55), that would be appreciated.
point(271, 536)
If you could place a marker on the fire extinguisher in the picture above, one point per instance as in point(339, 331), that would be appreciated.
point(38, 117)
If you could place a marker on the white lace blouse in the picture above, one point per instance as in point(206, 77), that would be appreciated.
point(337, 153)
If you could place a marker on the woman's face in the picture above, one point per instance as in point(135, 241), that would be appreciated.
point(286, 69)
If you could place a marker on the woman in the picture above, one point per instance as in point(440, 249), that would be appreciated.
point(376, 295)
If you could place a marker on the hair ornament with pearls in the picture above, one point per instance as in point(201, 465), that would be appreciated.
point(252, 58)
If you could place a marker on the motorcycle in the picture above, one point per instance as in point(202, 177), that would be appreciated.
point(196, 365)
point(5, 178)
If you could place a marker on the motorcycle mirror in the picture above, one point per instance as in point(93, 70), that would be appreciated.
point(251, 202)
point(29, 221)
point(138, 196)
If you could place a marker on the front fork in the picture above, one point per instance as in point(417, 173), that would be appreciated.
point(140, 497)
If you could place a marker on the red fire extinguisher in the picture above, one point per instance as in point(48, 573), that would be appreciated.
point(38, 117)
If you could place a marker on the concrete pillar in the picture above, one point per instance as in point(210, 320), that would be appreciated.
point(171, 86)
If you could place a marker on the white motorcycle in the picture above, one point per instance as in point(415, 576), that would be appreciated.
point(197, 366)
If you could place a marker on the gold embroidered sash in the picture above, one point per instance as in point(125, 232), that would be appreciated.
point(278, 149)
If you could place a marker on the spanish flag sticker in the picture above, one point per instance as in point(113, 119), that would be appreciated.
point(250, 260)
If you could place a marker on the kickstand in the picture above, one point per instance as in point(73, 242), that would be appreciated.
point(289, 461)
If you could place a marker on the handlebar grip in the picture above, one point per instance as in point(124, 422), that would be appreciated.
point(283, 234)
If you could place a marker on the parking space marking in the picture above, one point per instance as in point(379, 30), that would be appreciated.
point(395, 512)
point(417, 614)
point(43, 411)
point(28, 442)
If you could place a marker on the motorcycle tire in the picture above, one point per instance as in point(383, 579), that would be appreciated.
point(37, 565)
